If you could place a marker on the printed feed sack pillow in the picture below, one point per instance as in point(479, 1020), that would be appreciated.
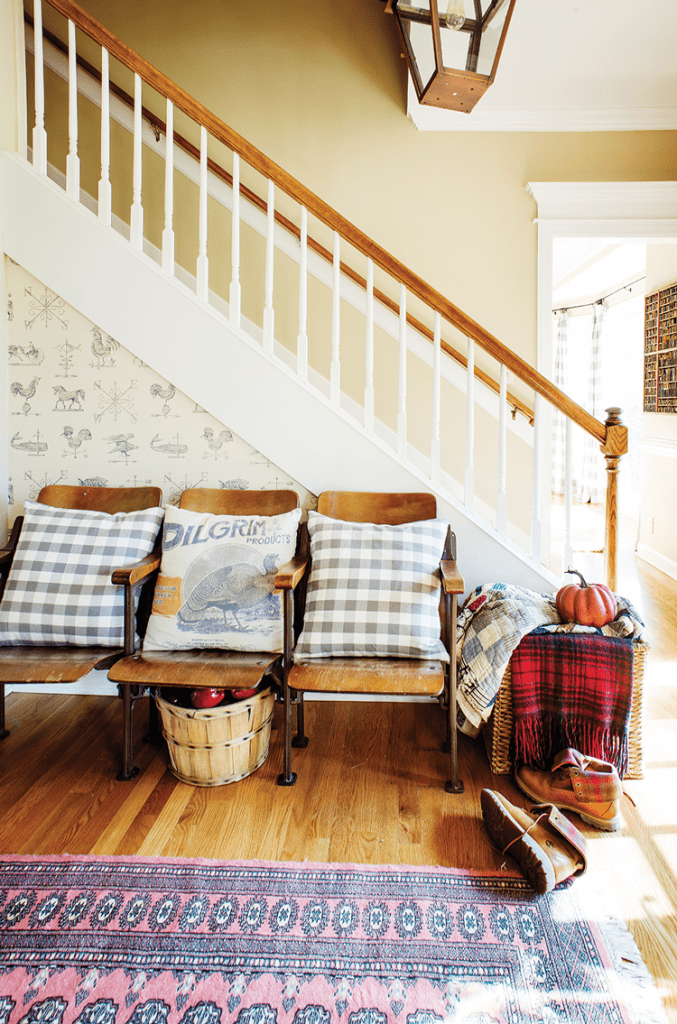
point(216, 586)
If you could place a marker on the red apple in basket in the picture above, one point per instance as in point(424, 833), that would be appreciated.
point(206, 698)
point(243, 694)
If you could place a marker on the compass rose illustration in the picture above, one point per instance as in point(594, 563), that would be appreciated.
point(115, 402)
point(45, 308)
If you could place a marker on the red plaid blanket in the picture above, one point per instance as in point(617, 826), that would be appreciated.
point(571, 690)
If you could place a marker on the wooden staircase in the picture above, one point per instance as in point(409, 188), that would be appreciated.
point(296, 402)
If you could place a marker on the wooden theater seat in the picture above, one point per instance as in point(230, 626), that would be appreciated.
point(381, 675)
point(149, 670)
point(66, 663)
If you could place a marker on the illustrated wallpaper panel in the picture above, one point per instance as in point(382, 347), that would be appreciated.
point(84, 410)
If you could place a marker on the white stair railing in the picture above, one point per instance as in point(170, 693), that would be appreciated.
point(427, 337)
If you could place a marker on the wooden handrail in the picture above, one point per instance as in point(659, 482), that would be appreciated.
point(159, 127)
point(325, 213)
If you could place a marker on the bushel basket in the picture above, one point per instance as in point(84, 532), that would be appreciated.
point(214, 746)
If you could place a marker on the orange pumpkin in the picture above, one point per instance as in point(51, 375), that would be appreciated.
point(589, 605)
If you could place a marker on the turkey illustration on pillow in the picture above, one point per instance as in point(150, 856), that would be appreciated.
point(229, 588)
point(216, 586)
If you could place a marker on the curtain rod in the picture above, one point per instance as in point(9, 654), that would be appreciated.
point(598, 302)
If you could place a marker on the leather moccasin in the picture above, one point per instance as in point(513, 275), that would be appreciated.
point(545, 844)
point(575, 782)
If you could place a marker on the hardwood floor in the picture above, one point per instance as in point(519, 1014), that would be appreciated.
point(369, 791)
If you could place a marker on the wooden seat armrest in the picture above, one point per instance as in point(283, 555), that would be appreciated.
point(7, 552)
point(291, 574)
point(131, 575)
point(452, 581)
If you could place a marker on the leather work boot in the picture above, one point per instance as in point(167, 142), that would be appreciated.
point(545, 844)
point(577, 783)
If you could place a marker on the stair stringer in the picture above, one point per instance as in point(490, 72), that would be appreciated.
point(161, 322)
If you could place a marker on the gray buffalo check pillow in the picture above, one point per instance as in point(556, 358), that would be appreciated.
point(59, 588)
point(373, 590)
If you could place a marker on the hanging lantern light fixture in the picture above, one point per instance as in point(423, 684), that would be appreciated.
point(452, 47)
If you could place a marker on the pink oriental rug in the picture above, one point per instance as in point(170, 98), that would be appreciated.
point(132, 940)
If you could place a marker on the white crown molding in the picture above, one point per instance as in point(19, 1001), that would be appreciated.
point(540, 119)
point(605, 200)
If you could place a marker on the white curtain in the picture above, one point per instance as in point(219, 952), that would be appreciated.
point(558, 421)
point(593, 486)
point(579, 373)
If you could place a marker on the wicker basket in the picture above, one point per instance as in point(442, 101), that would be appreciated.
point(214, 746)
point(497, 732)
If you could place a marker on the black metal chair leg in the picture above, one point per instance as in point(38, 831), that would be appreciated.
point(128, 770)
point(154, 734)
point(3, 731)
point(454, 784)
point(300, 740)
point(287, 777)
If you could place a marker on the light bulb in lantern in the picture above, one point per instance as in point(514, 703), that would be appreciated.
point(455, 16)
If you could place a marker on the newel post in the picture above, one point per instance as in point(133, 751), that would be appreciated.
point(614, 447)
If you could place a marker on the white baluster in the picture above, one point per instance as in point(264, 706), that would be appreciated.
point(302, 338)
point(435, 443)
point(536, 483)
point(335, 370)
point(72, 160)
point(235, 287)
point(568, 493)
point(402, 378)
point(501, 497)
point(136, 226)
point(168, 232)
point(105, 197)
point(469, 491)
point(369, 352)
point(268, 311)
point(39, 133)
point(202, 260)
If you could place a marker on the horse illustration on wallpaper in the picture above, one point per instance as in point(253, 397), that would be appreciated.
point(73, 398)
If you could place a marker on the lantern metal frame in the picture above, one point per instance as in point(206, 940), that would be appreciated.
point(451, 88)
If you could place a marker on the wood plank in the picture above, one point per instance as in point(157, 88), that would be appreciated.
point(390, 508)
point(53, 665)
point(232, 669)
point(368, 675)
point(225, 501)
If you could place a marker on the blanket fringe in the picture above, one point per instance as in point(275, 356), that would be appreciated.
point(537, 740)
